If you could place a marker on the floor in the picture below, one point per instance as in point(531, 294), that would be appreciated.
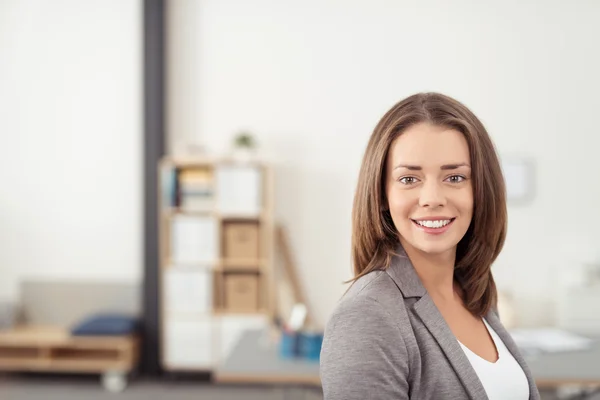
point(44, 387)
point(37, 387)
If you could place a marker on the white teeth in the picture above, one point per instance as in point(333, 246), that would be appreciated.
point(434, 224)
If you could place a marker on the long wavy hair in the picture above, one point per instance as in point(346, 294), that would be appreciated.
point(374, 236)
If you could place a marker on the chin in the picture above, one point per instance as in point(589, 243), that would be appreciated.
point(434, 248)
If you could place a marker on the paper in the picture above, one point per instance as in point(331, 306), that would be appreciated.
point(298, 317)
point(233, 327)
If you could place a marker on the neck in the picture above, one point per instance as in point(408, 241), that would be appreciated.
point(436, 271)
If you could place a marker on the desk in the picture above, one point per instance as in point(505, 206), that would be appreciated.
point(570, 368)
point(551, 370)
point(255, 359)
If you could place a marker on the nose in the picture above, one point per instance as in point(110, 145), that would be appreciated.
point(432, 195)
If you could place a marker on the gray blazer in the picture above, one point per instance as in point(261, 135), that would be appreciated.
point(387, 340)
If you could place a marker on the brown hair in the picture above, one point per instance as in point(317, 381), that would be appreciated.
point(374, 236)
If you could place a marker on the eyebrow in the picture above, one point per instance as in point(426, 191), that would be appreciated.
point(443, 167)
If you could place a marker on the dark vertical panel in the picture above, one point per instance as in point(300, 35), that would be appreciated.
point(154, 148)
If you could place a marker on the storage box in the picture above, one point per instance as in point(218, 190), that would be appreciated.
point(241, 241)
point(241, 292)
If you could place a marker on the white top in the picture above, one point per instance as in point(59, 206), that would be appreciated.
point(504, 379)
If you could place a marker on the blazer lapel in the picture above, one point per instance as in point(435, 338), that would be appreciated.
point(495, 323)
point(439, 329)
point(404, 275)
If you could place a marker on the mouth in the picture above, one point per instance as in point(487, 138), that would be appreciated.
point(433, 226)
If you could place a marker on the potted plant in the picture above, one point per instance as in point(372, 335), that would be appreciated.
point(244, 146)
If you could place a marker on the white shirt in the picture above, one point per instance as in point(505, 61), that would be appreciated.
point(504, 379)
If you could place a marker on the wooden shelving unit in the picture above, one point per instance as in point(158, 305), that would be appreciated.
point(216, 258)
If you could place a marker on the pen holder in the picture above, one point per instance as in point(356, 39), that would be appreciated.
point(289, 344)
point(310, 345)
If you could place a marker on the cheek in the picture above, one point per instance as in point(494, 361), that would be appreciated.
point(464, 204)
point(400, 203)
point(467, 202)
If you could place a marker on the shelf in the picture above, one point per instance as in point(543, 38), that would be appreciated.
point(83, 365)
point(54, 349)
point(189, 316)
point(237, 200)
point(67, 355)
point(172, 211)
point(198, 265)
point(225, 313)
point(206, 161)
point(13, 352)
point(187, 162)
point(241, 265)
point(241, 217)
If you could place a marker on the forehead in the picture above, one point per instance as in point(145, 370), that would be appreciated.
point(429, 145)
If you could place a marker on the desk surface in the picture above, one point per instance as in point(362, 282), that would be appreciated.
point(255, 359)
point(572, 367)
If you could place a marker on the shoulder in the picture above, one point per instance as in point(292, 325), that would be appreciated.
point(364, 331)
point(368, 310)
point(375, 291)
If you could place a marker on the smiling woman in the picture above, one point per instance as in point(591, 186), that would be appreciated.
point(429, 219)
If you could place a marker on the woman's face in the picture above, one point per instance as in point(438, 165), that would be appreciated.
point(428, 187)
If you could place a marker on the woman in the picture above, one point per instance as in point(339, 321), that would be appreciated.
point(429, 218)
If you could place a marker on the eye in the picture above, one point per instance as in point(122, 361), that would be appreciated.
point(408, 180)
point(456, 178)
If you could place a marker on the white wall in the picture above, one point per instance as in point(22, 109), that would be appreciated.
point(70, 141)
point(312, 78)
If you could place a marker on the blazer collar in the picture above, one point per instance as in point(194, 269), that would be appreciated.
point(405, 277)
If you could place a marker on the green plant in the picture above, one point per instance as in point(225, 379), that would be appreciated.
point(245, 139)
